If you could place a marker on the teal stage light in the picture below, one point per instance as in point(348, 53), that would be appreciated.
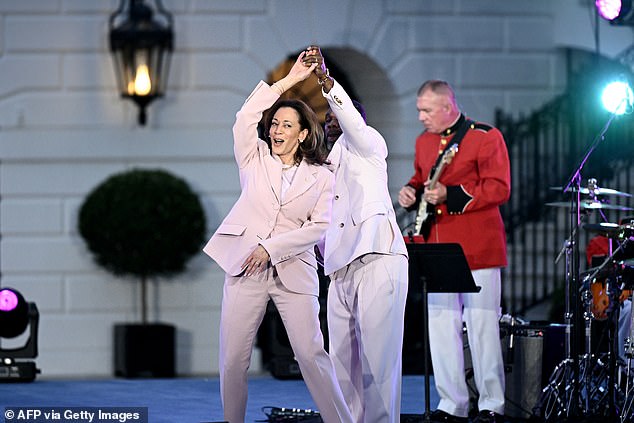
point(617, 97)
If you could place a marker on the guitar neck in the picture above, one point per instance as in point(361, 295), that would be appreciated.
point(436, 176)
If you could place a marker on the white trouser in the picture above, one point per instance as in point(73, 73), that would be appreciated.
point(481, 313)
point(243, 306)
point(366, 308)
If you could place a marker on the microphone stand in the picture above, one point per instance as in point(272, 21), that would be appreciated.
point(573, 316)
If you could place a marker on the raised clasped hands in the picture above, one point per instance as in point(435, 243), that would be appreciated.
point(314, 56)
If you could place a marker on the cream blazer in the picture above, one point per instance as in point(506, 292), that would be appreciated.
point(363, 218)
point(288, 228)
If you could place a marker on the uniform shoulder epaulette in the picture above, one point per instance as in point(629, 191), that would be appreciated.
point(482, 126)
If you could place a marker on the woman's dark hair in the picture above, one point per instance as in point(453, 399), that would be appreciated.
point(313, 148)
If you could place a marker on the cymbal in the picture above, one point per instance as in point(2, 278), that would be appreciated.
point(590, 205)
point(597, 191)
point(604, 227)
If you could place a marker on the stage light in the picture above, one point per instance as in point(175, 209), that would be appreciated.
point(617, 12)
point(16, 315)
point(617, 97)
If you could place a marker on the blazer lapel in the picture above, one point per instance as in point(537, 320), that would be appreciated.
point(335, 156)
point(274, 175)
point(303, 180)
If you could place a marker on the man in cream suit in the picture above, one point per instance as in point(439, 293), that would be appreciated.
point(366, 260)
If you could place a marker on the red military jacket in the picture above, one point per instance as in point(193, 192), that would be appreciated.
point(478, 181)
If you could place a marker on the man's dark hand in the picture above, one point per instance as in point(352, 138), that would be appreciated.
point(313, 55)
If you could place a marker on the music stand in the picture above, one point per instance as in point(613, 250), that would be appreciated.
point(440, 268)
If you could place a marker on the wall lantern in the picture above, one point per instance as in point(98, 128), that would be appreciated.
point(141, 46)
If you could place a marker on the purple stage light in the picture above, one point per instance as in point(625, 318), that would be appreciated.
point(8, 300)
point(14, 313)
point(609, 9)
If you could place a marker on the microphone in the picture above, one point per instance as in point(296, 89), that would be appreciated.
point(510, 357)
point(511, 321)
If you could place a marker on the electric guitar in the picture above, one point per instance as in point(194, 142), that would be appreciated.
point(423, 216)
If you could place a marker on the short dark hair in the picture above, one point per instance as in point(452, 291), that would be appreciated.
point(437, 86)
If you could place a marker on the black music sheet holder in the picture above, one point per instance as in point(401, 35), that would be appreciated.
point(440, 268)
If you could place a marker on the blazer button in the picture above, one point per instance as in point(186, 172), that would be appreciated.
point(341, 225)
point(336, 197)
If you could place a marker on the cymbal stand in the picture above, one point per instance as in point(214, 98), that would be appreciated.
point(601, 392)
point(559, 398)
point(586, 363)
point(598, 393)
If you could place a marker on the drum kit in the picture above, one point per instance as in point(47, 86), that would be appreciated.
point(586, 385)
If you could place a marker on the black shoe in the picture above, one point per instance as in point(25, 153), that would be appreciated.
point(488, 416)
point(441, 416)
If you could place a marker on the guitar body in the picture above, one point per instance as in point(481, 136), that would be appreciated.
point(424, 217)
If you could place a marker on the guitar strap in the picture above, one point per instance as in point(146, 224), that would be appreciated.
point(461, 131)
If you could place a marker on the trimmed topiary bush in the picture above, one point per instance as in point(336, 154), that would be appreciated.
point(143, 223)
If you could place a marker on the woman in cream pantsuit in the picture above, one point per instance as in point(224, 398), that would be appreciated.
point(266, 244)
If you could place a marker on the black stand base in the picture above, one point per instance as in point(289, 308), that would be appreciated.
point(414, 418)
point(18, 371)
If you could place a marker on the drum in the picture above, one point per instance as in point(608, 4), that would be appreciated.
point(602, 298)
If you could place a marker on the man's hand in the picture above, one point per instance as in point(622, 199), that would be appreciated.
point(313, 55)
point(435, 196)
point(407, 196)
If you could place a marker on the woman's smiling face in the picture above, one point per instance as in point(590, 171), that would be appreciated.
point(285, 134)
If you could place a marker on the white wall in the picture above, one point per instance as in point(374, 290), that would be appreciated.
point(63, 128)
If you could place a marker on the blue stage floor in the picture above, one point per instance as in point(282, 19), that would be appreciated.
point(180, 400)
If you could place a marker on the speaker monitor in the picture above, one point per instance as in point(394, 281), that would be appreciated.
point(529, 361)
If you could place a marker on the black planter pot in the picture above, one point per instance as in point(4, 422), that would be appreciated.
point(144, 351)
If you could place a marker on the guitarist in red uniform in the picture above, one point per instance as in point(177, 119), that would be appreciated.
point(465, 202)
